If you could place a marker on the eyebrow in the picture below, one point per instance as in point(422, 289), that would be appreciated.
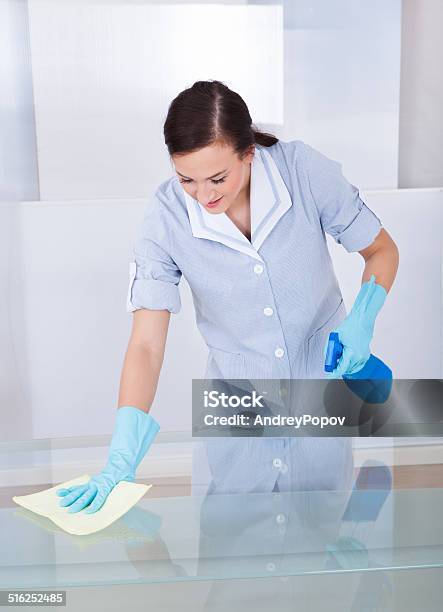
point(209, 177)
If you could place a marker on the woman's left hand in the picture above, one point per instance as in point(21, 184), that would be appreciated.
point(356, 331)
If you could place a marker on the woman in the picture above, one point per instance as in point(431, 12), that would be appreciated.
point(244, 221)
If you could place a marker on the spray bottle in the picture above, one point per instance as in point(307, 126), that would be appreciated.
point(372, 383)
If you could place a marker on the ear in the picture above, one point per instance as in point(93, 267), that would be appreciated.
point(249, 155)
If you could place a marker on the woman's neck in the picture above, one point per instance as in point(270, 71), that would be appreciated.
point(240, 214)
point(240, 211)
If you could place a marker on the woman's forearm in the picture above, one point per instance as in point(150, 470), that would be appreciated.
point(381, 259)
point(139, 377)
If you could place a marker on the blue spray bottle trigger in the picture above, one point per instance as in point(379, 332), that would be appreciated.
point(333, 352)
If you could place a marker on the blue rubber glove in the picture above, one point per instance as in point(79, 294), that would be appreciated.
point(356, 331)
point(134, 433)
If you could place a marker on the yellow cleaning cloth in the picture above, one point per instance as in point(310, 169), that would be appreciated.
point(46, 503)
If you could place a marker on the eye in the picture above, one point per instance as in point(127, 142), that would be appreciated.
point(215, 181)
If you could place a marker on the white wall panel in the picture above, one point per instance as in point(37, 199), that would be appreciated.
point(105, 72)
point(408, 333)
point(421, 116)
point(104, 75)
point(342, 84)
point(18, 154)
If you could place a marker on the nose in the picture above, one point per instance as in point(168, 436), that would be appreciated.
point(204, 196)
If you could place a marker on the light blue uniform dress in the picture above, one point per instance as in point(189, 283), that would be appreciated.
point(264, 307)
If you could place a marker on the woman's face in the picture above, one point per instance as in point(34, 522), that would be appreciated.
point(215, 174)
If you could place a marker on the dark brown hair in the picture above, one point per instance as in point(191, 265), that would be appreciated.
point(210, 112)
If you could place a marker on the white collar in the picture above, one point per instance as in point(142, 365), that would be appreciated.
point(269, 198)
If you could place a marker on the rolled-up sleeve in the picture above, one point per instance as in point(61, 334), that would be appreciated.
point(153, 274)
point(342, 212)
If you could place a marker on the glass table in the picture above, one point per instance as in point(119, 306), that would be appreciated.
point(369, 535)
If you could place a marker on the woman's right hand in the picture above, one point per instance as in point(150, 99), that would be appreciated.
point(134, 433)
point(91, 495)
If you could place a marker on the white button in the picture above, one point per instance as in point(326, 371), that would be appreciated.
point(277, 462)
point(284, 578)
point(279, 352)
point(268, 311)
point(284, 468)
point(270, 567)
point(258, 268)
point(280, 519)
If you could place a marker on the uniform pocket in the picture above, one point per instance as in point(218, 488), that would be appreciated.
point(224, 364)
point(317, 341)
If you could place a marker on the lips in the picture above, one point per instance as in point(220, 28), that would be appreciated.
point(214, 203)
